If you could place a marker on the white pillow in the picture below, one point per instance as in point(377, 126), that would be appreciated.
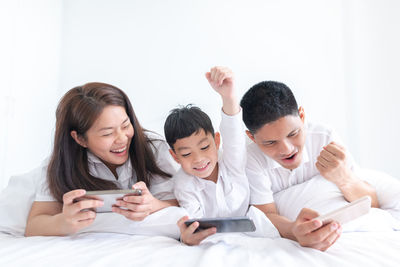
point(16, 201)
point(323, 196)
point(317, 193)
point(264, 227)
point(387, 189)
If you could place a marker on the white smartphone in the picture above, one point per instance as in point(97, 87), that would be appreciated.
point(225, 225)
point(109, 197)
point(348, 212)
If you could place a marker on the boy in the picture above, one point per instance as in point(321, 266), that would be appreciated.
point(208, 186)
point(285, 152)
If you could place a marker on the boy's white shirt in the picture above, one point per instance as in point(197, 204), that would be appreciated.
point(161, 188)
point(230, 195)
point(266, 176)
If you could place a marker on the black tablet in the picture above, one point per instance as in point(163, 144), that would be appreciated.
point(225, 224)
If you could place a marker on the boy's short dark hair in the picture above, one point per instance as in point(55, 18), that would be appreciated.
point(184, 121)
point(266, 102)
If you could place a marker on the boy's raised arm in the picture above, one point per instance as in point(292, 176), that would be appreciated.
point(234, 154)
point(221, 80)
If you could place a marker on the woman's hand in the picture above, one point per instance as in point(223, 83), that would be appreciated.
point(77, 214)
point(137, 208)
point(187, 232)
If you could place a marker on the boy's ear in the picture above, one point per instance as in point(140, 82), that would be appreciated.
point(79, 139)
point(302, 114)
point(217, 139)
point(250, 135)
point(174, 155)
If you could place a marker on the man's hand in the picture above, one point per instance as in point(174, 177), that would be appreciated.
point(332, 165)
point(311, 233)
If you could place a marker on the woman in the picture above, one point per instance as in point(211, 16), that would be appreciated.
point(99, 145)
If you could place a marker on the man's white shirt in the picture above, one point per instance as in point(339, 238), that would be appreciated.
point(266, 176)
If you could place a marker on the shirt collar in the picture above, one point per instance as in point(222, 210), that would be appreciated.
point(98, 169)
point(92, 158)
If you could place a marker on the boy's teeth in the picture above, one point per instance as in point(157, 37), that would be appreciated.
point(202, 166)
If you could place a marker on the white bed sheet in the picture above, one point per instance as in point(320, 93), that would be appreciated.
point(107, 249)
point(116, 243)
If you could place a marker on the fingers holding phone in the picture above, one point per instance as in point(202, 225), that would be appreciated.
point(188, 235)
point(328, 236)
point(311, 232)
point(136, 207)
point(77, 212)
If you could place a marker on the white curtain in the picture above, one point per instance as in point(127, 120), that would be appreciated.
point(30, 33)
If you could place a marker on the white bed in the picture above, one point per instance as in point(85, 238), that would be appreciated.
point(377, 244)
point(107, 249)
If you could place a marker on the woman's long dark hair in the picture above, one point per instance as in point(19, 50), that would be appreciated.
point(77, 111)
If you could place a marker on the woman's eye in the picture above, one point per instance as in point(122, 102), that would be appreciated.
point(127, 126)
point(108, 134)
point(204, 148)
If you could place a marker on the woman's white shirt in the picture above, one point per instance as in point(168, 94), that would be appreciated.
point(160, 187)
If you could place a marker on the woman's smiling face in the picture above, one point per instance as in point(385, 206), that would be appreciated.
point(110, 136)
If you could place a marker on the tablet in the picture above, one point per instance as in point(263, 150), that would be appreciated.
point(225, 225)
point(348, 212)
point(109, 197)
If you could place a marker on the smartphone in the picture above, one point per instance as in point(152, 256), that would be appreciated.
point(225, 225)
point(109, 197)
point(348, 212)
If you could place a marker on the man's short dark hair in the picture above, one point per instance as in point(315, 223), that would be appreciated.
point(266, 102)
point(184, 121)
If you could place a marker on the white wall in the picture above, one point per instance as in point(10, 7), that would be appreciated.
point(372, 37)
point(29, 52)
point(339, 58)
point(158, 51)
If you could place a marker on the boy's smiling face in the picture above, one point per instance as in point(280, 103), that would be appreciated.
point(198, 154)
point(282, 140)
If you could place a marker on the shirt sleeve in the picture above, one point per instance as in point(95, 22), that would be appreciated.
point(190, 204)
point(42, 189)
point(187, 198)
point(233, 142)
point(162, 187)
point(259, 182)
